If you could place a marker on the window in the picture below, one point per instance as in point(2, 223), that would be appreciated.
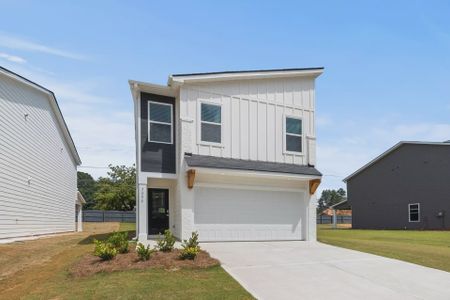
point(160, 122)
point(414, 212)
point(293, 131)
point(211, 123)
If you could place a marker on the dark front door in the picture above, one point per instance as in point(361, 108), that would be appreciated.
point(158, 210)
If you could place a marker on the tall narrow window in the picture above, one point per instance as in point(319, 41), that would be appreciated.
point(160, 122)
point(211, 123)
point(293, 128)
point(414, 212)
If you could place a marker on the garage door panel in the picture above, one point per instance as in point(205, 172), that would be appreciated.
point(247, 215)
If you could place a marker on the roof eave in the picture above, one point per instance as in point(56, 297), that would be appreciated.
point(179, 79)
point(140, 86)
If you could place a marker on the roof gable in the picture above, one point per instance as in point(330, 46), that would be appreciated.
point(54, 105)
point(389, 151)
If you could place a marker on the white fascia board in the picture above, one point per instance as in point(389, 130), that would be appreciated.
point(140, 86)
point(396, 146)
point(55, 108)
point(179, 80)
point(80, 198)
point(260, 174)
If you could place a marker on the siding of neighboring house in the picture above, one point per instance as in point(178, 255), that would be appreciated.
point(253, 118)
point(38, 184)
point(413, 173)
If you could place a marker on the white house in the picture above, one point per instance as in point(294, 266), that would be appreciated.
point(38, 162)
point(228, 154)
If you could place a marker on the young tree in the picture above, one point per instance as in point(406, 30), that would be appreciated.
point(117, 191)
point(86, 186)
point(330, 197)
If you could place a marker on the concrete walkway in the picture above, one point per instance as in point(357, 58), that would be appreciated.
point(312, 270)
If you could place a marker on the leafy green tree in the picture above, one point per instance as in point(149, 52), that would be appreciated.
point(118, 190)
point(86, 186)
point(330, 197)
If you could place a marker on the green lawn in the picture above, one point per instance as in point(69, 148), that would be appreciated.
point(39, 270)
point(427, 248)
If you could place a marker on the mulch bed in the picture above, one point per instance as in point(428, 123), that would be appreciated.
point(90, 264)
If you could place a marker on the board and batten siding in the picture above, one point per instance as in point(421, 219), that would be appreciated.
point(253, 114)
point(38, 177)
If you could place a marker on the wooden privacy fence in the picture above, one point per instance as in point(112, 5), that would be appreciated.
point(109, 216)
point(323, 219)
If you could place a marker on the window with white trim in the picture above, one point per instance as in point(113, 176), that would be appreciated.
point(293, 134)
point(414, 212)
point(160, 122)
point(211, 123)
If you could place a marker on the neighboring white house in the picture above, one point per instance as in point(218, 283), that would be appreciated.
point(228, 154)
point(38, 161)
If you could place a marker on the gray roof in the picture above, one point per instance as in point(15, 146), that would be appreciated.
point(204, 161)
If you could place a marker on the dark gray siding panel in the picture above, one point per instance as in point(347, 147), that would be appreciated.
point(156, 157)
point(413, 173)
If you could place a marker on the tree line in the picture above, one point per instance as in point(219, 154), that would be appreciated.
point(116, 191)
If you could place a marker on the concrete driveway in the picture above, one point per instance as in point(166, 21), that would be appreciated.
point(312, 270)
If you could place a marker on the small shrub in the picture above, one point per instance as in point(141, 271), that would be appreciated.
point(189, 252)
point(192, 242)
point(166, 244)
point(143, 252)
point(190, 247)
point(104, 250)
point(119, 240)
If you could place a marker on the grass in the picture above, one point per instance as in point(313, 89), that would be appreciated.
point(39, 270)
point(427, 248)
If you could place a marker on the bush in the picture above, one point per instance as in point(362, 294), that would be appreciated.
point(143, 252)
point(119, 240)
point(104, 250)
point(166, 244)
point(189, 252)
point(192, 242)
point(190, 247)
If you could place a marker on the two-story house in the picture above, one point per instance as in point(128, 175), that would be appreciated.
point(230, 155)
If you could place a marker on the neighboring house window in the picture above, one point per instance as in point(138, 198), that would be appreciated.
point(211, 123)
point(160, 122)
point(293, 134)
point(414, 212)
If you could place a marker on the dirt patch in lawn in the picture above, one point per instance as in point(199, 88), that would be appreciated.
point(90, 264)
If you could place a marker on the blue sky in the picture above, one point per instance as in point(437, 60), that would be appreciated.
point(387, 64)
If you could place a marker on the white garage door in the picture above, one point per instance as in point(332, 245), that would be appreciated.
point(247, 215)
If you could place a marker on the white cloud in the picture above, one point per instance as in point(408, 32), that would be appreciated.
point(12, 58)
point(17, 43)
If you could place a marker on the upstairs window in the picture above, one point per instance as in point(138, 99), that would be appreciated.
point(160, 122)
point(414, 212)
point(293, 134)
point(211, 123)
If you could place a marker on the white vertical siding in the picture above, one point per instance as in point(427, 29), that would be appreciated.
point(252, 116)
point(38, 181)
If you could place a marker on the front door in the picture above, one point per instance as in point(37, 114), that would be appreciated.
point(158, 210)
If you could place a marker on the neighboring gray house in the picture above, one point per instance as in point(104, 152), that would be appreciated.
point(38, 162)
point(406, 187)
